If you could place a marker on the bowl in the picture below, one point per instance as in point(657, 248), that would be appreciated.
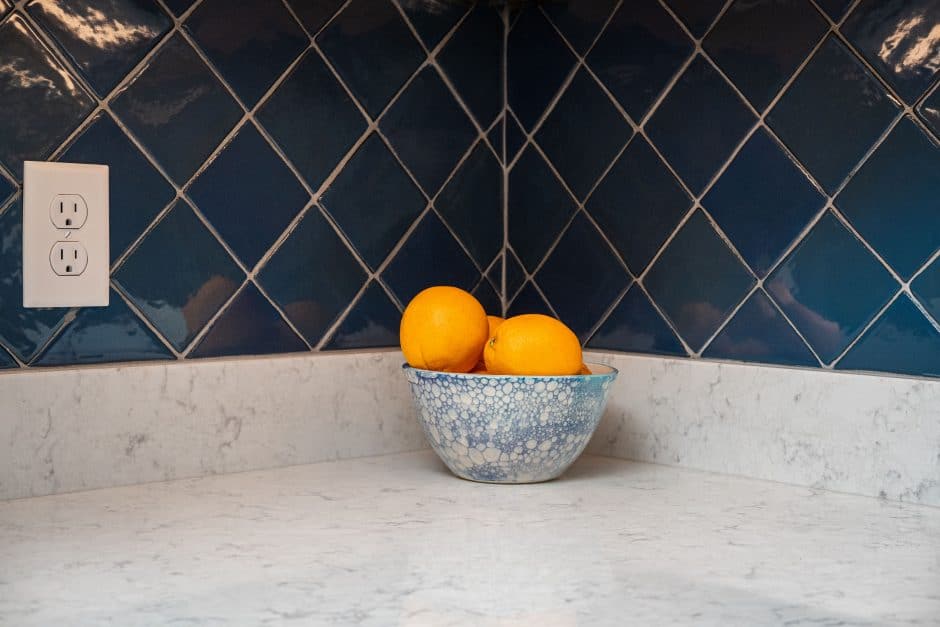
point(508, 428)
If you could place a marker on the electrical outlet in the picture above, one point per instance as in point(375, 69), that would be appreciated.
point(66, 260)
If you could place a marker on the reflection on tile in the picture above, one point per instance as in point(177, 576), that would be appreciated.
point(5, 6)
point(835, 8)
point(193, 278)
point(698, 15)
point(372, 322)
point(515, 274)
point(894, 199)
point(469, 60)
point(515, 138)
point(178, 109)
point(634, 326)
point(488, 297)
point(528, 301)
point(314, 14)
point(830, 287)
point(929, 110)
point(433, 19)
point(926, 288)
point(580, 22)
point(105, 39)
point(248, 326)
point(234, 194)
point(6, 360)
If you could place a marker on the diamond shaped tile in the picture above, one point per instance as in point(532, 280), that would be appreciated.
point(428, 129)
point(312, 277)
point(830, 287)
point(528, 301)
point(178, 109)
point(373, 201)
point(42, 102)
point(831, 114)
point(698, 15)
point(929, 110)
point(515, 138)
point(759, 44)
point(179, 276)
point(639, 52)
point(469, 58)
point(7, 187)
point(6, 360)
point(251, 42)
point(835, 8)
point(634, 326)
point(579, 22)
point(582, 277)
point(371, 323)
point(495, 137)
point(515, 274)
point(697, 281)
point(234, 194)
point(638, 204)
point(314, 14)
point(433, 19)
point(179, 6)
point(372, 49)
point(486, 294)
point(137, 191)
point(583, 134)
point(926, 287)
point(762, 201)
point(312, 119)
point(105, 39)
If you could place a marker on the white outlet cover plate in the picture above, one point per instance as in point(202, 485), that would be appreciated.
point(42, 287)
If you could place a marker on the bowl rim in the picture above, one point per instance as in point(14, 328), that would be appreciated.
point(610, 372)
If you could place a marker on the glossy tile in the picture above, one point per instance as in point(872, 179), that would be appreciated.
point(469, 60)
point(432, 18)
point(104, 39)
point(634, 326)
point(926, 287)
point(179, 276)
point(372, 49)
point(179, 6)
point(314, 14)
point(762, 202)
point(178, 109)
point(312, 119)
point(515, 274)
point(830, 287)
point(250, 54)
point(486, 294)
point(6, 360)
point(7, 187)
point(579, 22)
point(372, 322)
point(894, 199)
point(640, 51)
point(5, 6)
point(515, 138)
point(758, 332)
point(583, 134)
point(373, 201)
point(137, 191)
point(312, 277)
point(638, 204)
point(528, 301)
point(901, 39)
point(699, 124)
point(697, 281)
point(495, 136)
point(248, 326)
point(832, 114)
point(428, 130)
point(834, 8)
point(698, 15)
point(929, 110)
point(42, 102)
point(235, 194)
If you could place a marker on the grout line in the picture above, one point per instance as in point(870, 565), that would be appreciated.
point(874, 320)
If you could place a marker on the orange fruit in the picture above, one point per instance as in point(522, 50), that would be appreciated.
point(533, 344)
point(443, 328)
point(494, 322)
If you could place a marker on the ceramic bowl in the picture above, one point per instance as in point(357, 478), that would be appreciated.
point(506, 428)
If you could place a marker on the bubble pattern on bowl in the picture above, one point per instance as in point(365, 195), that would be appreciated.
point(508, 429)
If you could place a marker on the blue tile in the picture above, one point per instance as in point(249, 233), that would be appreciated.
point(515, 138)
point(314, 14)
point(371, 323)
point(538, 63)
point(831, 114)
point(234, 193)
point(926, 288)
point(178, 109)
point(251, 42)
point(582, 277)
point(894, 199)
point(486, 294)
point(901, 341)
point(583, 134)
point(929, 110)
point(830, 287)
point(22, 330)
point(249, 326)
point(372, 49)
point(638, 204)
point(430, 256)
point(312, 119)
point(835, 8)
point(759, 333)
point(528, 301)
point(312, 277)
point(698, 15)
point(7, 187)
point(42, 102)
point(373, 201)
point(762, 201)
point(179, 276)
point(433, 19)
point(634, 326)
point(515, 274)
point(428, 129)
point(699, 124)
point(179, 6)
point(535, 197)
point(471, 60)
point(697, 281)
point(639, 52)
point(104, 39)
point(899, 38)
point(472, 204)
point(138, 191)
point(760, 43)
point(102, 335)
point(6, 360)
point(580, 22)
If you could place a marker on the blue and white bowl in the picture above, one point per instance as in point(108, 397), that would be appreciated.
point(507, 428)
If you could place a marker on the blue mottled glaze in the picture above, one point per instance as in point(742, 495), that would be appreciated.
point(509, 429)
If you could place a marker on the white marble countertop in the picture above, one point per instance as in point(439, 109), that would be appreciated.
point(396, 540)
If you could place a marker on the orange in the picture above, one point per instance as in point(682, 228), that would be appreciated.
point(494, 322)
point(443, 328)
point(533, 344)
